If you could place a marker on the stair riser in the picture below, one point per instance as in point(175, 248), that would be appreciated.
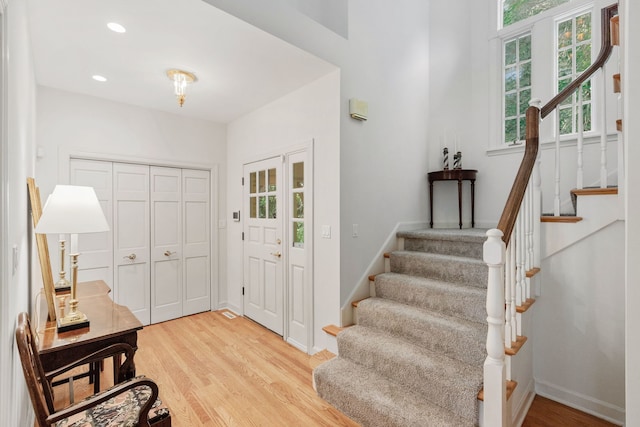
point(464, 342)
point(453, 301)
point(454, 270)
point(429, 375)
point(444, 247)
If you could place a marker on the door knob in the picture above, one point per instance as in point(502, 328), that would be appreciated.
point(277, 254)
point(130, 256)
point(168, 253)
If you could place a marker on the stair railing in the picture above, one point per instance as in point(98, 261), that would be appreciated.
point(512, 250)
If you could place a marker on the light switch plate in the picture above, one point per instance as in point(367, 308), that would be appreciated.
point(326, 231)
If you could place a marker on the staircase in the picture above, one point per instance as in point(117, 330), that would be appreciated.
point(415, 356)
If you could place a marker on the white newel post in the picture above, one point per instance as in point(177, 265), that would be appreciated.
point(495, 386)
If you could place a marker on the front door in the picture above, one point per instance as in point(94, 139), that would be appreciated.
point(263, 253)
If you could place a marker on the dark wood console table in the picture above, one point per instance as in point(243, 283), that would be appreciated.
point(110, 324)
point(454, 175)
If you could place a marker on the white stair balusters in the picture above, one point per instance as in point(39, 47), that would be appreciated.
point(603, 129)
point(509, 302)
point(556, 198)
point(580, 141)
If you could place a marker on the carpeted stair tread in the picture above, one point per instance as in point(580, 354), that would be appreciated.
point(467, 302)
point(447, 268)
point(453, 337)
point(446, 382)
point(466, 242)
point(373, 401)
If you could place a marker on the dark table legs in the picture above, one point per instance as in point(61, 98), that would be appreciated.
point(431, 204)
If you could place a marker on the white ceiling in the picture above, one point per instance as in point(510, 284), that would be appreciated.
point(239, 67)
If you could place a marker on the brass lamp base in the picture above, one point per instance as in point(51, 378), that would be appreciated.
point(63, 284)
point(72, 321)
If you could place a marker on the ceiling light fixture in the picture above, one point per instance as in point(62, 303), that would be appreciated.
point(99, 78)
point(116, 28)
point(180, 81)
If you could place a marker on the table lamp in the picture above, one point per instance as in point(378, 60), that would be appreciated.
point(72, 209)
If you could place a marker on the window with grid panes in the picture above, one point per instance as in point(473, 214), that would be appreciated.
point(517, 86)
point(542, 51)
point(573, 57)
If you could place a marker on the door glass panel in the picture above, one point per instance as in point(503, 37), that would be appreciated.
point(298, 175)
point(252, 207)
point(261, 182)
point(272, 180)
point(272, 207)
point(298, 205)
point(252, 183)
point(298, 234)
point(262, 207)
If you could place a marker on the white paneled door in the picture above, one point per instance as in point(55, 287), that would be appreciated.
point(196, 247)
point(263, 253)
point(131, 281)
point(156, 257)
point(96, 249)
point(166, 244)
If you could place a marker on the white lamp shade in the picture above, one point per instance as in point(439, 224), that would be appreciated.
point(72, 209)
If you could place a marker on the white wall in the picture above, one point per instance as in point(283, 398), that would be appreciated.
point(577, 328)
point(73, 123)
point(631, 126)
point(15, 405)
point(383, 161)
point(311, 112)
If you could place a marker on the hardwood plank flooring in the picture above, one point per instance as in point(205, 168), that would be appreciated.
point(547, 413)
point(216, 371)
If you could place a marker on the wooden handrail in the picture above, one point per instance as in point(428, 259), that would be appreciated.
point(512, 207)
point(605, 51)
point(533, 116)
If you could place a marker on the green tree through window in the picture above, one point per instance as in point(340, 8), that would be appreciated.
point(517, 10)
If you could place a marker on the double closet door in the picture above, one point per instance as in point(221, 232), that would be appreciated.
point(157, 254)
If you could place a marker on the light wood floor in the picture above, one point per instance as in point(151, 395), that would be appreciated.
point(215, 371)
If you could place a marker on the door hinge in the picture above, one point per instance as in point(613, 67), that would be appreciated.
point(243, 290)
point(243, 180)
point(243, 235)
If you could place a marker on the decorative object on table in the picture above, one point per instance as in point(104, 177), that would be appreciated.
point(445, 160)
point(62, 284)
point(72, 210)
point(457, 160)
point(43, 249)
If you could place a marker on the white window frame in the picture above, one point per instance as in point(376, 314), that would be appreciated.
point(543, 29)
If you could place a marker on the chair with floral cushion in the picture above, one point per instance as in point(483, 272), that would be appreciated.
point(131, 403)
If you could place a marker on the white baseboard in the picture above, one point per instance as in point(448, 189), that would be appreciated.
point(612, 413)
point(231, 307)
point(520, 409)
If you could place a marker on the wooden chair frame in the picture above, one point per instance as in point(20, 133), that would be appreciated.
point(39, 382)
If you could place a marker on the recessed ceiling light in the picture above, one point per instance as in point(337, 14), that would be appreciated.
point(116, 28)
point(99, 78)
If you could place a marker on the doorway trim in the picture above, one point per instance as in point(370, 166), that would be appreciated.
point(285, 153)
